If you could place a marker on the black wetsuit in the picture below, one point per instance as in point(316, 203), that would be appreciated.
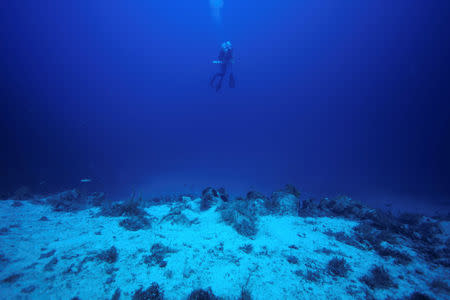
point(226, 58)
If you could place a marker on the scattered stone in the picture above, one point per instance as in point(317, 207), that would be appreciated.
point(48, 254)
point(17, 204)
point(378, 278)
point(338, 267)
point(109, 270)
point(248, 248)
point(51, 264)
point(109, 256)
point(152, 293)
point(328, 251)
point(312, 276)
point(70, 256)
point(28, 289)
point(12, 278)
point(187, 272)
point(245, 294)
point(201, 294)
point(438, 285)
point(73, 269)
point(129, 208)
point(135, 223)
point(419, 296)
point(168, 274)
point(76, 269)
point(175, 216)
point(32, 266)
point(110, 280)
point(116, 295)
point(3, 259)
point(158, 254)
point(292, 260)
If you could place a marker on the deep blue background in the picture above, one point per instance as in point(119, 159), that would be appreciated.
point(333, 96)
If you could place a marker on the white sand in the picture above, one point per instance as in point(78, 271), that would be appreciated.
point(198, 263)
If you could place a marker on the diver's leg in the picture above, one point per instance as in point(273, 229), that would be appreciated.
point(231, 81)
point(211, 83)
point(219, 83)
point(221, 74)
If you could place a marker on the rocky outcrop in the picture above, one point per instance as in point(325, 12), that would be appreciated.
point(96, 199)
point(284, 202)
point(65, 201)
point(212, 197)
point(22, 193)
point(256, 203)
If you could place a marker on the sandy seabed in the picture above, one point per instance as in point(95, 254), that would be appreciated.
point(56, 257)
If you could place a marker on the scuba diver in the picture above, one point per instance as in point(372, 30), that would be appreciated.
point(225, 62)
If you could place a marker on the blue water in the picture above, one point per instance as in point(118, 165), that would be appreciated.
point(110, 136)
point(334, 97)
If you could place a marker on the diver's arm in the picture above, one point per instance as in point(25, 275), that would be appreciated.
point(219, 59)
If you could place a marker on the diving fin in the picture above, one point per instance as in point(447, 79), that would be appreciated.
point(218, 86)
point(231, 83)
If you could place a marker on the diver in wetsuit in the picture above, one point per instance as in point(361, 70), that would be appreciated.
point(225, 62)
